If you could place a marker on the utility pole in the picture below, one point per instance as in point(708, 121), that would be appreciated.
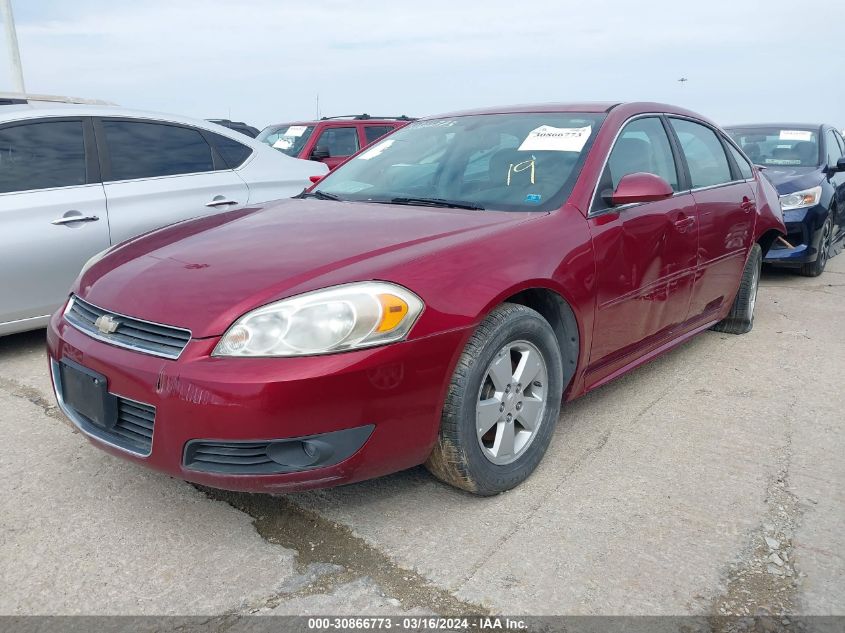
point(12, 45)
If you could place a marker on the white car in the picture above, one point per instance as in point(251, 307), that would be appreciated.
point(78, 176)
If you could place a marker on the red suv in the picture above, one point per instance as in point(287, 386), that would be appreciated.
point(330, 140)
point(431, 301)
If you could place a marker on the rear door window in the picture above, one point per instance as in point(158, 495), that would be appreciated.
point(42, 155)
point(375, 132)
point(339, 141)
point(706, 159)
point(148, 150)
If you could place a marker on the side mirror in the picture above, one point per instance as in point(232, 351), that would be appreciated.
point(840, 165)
point(321, 152)
point(640, 187)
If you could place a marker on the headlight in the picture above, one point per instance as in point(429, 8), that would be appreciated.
point(801, 199)
point(95, 259)
point(345, 317)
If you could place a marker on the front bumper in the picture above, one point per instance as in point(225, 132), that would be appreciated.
point(803, 228)
point(395, 392)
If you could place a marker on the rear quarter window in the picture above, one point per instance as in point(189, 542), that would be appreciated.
point(234, 154)
point(745, 169)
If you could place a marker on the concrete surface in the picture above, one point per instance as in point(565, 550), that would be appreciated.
point(708, 482)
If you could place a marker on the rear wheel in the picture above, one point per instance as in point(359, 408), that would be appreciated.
point(741, 317)
point(816, 268)
point(502, 404)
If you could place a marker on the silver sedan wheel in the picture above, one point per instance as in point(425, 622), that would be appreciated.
point(511, 402)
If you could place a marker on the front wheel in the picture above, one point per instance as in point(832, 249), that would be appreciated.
point(502, 404)
point(741, 317)
point(816, 268)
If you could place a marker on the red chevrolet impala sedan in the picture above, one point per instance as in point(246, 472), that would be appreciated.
point(431, 301)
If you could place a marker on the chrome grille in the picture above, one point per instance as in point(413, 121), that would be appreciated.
point(143, 336)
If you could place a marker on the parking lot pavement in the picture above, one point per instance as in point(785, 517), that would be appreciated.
point(709, 481)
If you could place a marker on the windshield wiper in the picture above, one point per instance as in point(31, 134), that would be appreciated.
point(320, 195)
point(438, 202)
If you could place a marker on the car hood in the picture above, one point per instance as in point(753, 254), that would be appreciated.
point(790, 179)
point(204, 274)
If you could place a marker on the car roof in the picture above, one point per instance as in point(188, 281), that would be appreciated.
point(344, 120)
point(43, 109)
point(27, 98)
point(589, 107)
point(778, 125)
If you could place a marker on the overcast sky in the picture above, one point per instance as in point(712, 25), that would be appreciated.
point(265, 61)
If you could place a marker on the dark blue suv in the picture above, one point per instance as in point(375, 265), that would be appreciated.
point(806, 164)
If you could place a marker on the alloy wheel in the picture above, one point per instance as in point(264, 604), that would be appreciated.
point(511, 402)
point(755, 285)
point(824, 243)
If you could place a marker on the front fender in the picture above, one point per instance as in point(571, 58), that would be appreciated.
point(769, 212)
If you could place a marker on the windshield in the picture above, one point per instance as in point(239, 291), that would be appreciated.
point(509, 162)
point(777, 146)
point(288, 139)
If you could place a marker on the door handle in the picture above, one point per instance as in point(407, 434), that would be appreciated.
point(221, 202)
point(70, 219)
point(747, 205)
point(684, 223)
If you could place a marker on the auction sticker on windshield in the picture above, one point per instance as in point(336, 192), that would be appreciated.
point(375, 151)
point(556, 139)
point(795, 135)
point(419, 125)
point(296, 130)
point(782, 161)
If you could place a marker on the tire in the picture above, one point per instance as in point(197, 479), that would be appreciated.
point(816, 268)
point(512, 341)
point(741, 317)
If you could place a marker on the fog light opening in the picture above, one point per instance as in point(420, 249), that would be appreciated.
point(299, 453)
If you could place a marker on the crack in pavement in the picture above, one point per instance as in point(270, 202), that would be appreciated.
point(822, 289)
point(764, 579)
point(582, 460)
point(329, 554)
point(33, 395)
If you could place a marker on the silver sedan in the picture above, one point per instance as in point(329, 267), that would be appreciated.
point(78, 178)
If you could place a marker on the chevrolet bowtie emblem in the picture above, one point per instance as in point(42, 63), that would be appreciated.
point(106, 324)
